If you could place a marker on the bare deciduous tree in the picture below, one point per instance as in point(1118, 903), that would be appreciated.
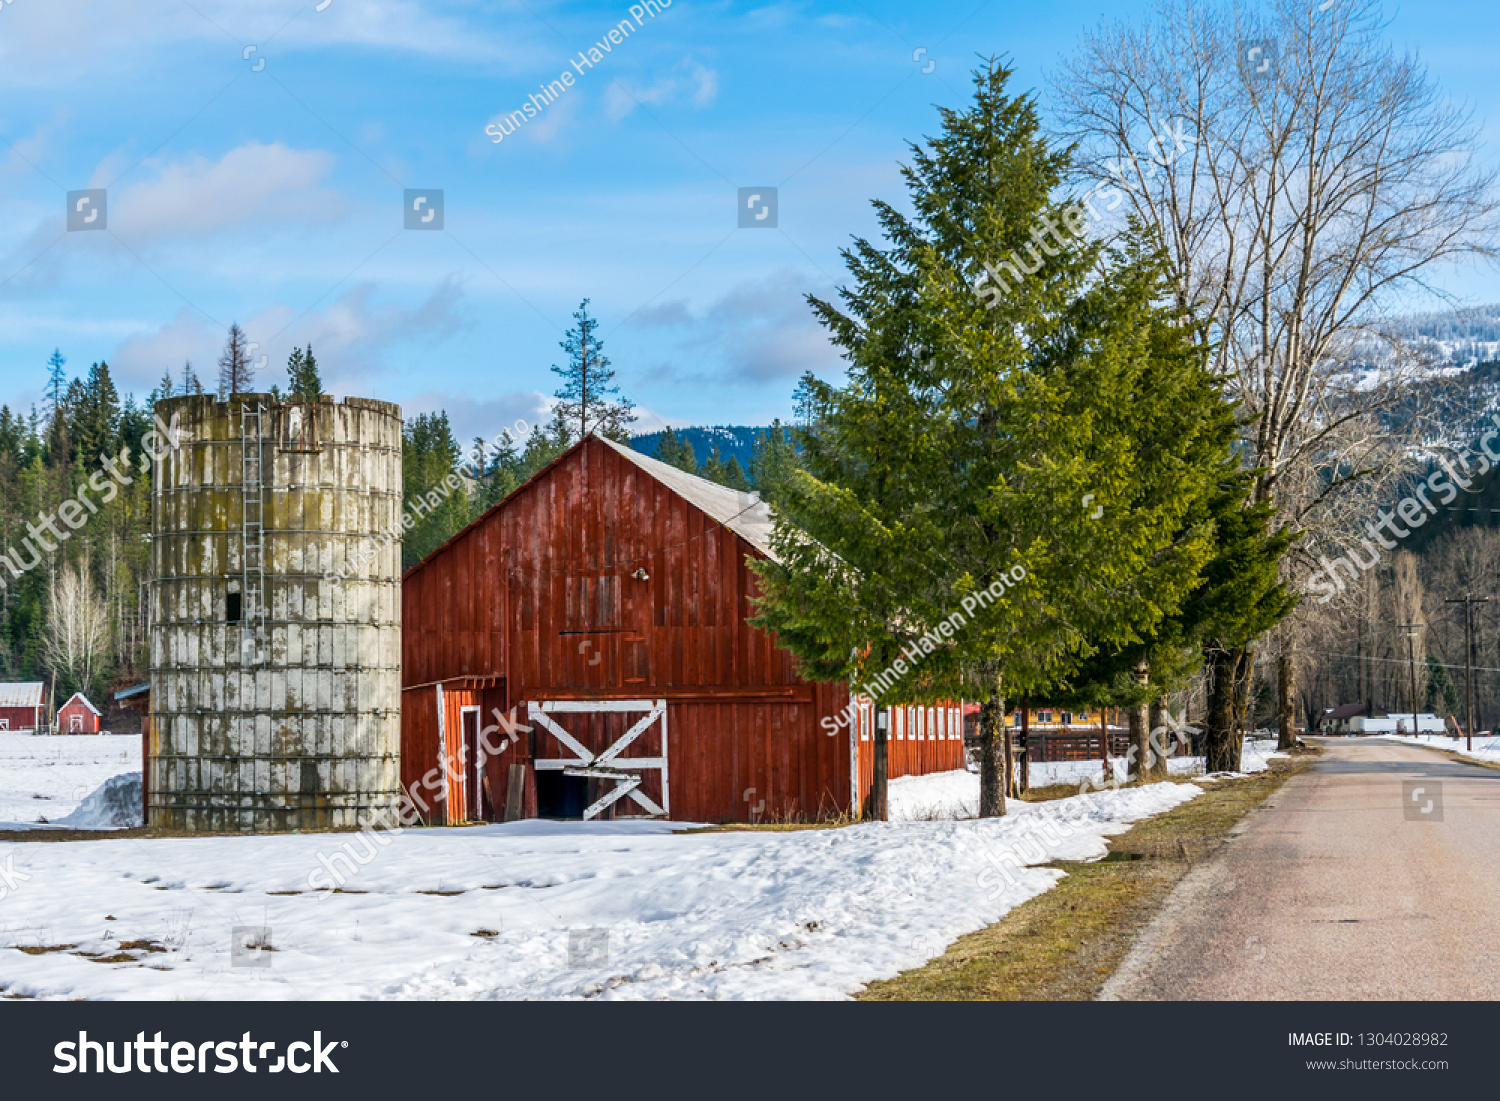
point(1307, 181)
point(75, 640)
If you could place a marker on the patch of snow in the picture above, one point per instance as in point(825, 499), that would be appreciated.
point(490, 912)
point(48, 777)
point(116, 804)
point(955, 795)
point(1486, 748)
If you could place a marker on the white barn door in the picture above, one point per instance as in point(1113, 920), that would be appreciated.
point(627, 772)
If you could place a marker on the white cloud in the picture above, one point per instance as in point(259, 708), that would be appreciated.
point(251, 184)
point(358, 340)
point(759, 330)
point(47, 41)
point(487, 417)
point(688, 78)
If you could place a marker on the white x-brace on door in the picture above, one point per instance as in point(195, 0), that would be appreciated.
point(608, 765)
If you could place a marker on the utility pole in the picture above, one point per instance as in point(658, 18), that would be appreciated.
point(1410, 631)
point(1468, 601)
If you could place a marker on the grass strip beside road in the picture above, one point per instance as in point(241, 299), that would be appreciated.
point(1064, 944)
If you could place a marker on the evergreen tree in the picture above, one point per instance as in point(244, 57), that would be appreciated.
point(713, 467)
point(164, 388)
point(944, 482)
point(588, 399)
point(57, 380)
point(675, 450)
point(304, 381)
point(429, 454)
point(234, 364)
point(773, 462)
point(734, 476)
point(96, 417)
point(1238, 596)
point(190, 383)
point(1442, 693)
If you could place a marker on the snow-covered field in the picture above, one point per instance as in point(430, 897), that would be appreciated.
point(48, 777)
point(524, 910)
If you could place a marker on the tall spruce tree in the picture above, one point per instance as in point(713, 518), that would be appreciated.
point(57, 380)
point(588, 399)
point(947, 485)
point(304, 381)
point(96, 418)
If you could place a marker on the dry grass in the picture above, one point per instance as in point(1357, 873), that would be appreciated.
point(781, 825)
point(1064, 944)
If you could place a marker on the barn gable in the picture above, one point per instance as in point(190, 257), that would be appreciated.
point(82, 700)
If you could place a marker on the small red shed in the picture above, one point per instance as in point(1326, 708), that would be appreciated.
point(21, 705)
point(581, 651)
point(78, 716)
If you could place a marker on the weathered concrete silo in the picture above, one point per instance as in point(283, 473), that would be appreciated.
point(276, 614)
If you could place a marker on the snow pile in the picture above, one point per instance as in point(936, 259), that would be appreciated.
point(539, 909)
point(43, 779)
point(116, 803)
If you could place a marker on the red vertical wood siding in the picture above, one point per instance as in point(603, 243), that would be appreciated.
point(935, 744)
point(89, 720)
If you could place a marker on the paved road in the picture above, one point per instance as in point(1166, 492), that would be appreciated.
point(1334, 889)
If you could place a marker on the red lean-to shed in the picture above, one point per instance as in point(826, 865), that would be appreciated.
point(78, 716)
point(581, 650)
point(21, 705)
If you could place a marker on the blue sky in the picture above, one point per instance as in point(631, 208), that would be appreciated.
point(273, 196)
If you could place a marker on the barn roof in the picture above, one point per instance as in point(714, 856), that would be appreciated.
point(21, 694)
point(745, 514)
point(81, 698)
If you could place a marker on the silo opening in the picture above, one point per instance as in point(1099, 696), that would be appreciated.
point(232, 609)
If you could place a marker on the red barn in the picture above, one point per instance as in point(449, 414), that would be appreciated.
point(78, 716)
point(21, 705)
point(581, 651)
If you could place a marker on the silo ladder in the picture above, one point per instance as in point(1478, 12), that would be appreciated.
point(252, 531)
